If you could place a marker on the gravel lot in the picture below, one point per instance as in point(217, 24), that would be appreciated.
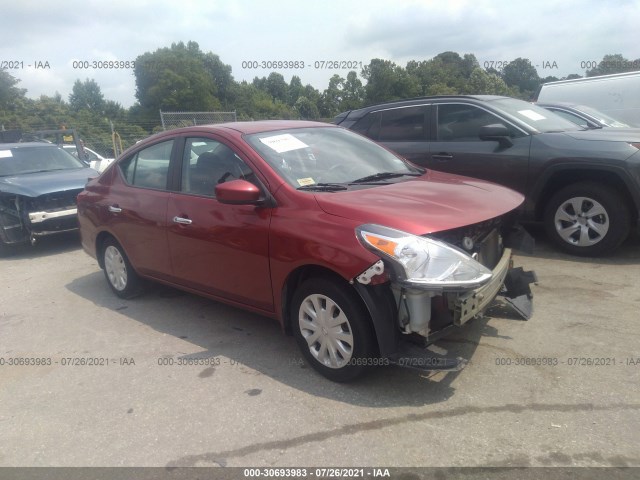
point(575, 403)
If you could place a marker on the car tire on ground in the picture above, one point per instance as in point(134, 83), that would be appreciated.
point(333, 329)
point(121, 276)
point(587, 219)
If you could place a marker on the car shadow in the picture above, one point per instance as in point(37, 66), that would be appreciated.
point(46, 246)
point(253, 343)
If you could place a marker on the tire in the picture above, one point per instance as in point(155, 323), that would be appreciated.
point(121, 276)
point(319, 301)
point(587, 219)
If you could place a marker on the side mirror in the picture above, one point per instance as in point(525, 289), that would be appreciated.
point(238, 192)
point(496, 132)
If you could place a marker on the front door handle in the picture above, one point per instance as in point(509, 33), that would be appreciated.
point(442, 156)
point(182, 220)
point(114, 209)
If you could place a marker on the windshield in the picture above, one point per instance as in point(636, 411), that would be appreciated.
point(537, 118)
point(327, 155)
point(23, 160)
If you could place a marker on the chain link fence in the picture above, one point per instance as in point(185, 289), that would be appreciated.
point(171, 120)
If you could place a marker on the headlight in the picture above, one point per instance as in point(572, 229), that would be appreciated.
point(424, 262)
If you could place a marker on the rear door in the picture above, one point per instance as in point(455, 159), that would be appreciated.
point(136, 211)
point(401, 129)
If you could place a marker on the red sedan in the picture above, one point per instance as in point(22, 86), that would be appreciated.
point(350, 247)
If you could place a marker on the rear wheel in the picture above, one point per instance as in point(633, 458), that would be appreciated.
point(587, 219)
point(332, 329)
point(121, 276)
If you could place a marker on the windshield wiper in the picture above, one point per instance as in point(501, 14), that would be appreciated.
point(324, 187)
point(43, 170)
point(384, 176)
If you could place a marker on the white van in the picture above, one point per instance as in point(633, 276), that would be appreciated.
point(616, 95)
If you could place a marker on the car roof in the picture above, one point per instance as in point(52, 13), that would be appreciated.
point(251, 127)
point(558, 104)
point(419, 100)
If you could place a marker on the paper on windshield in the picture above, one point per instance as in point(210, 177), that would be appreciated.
point(306, 181)
point(5, 154)
point(530, 114)
point(283, 143)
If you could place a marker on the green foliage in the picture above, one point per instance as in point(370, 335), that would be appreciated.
point(520, 74)
point(388, 81)
point(11, 97)
point(183, 78)
point(484, 83)
point(178, 78)
point(615, 63)
point(445, 74)
point(86, 96)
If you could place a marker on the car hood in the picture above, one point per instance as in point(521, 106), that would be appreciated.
point(434, 202)
point(36, 184)
point(607, 134)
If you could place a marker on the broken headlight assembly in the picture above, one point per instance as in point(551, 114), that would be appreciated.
point(423, 262)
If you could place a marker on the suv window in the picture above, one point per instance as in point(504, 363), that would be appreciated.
point(149, 168)
point(369, 125)
point(461, 123)
point(571, 117)
point(402, 124)
point(207, 163)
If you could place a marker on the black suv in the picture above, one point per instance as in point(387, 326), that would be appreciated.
point(583, 184)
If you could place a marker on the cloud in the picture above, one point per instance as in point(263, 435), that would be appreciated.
point(566, 32)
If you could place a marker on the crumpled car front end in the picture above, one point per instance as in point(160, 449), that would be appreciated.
point(441, 281)
point(25, 218)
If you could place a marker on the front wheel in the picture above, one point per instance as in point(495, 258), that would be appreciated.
point(587, 219)
point(121, 276)
point(332, 329)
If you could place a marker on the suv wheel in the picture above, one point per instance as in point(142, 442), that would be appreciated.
point(587, 219)
point(122, 278)
point(332, 329)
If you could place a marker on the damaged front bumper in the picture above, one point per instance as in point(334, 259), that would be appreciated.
point(431, 315)
point(22, 222)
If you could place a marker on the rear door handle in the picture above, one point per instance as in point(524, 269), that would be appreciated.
point(442, 156)
point(182, 220)
point(114, 209)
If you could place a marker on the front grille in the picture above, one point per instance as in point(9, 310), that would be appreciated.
point(52, 202)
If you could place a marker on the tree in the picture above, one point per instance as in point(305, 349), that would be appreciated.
point(332, 97)
point(86, 96)
point(295, 90)
point(446, 73)
point(483, 83)
point(614, 63)
point(10, 95)
point(307, 109)
point(277, 87)
point(221, 75)
point(177, 78)
point(387, 81)
point(353, 93)
point(521, 74)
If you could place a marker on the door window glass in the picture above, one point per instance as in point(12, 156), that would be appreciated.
point(461, 123)
point(149, 168)
point(572, 118)
point(402, 125)
point(207, 163)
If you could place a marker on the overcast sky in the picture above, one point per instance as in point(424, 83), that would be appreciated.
point(567, 32)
